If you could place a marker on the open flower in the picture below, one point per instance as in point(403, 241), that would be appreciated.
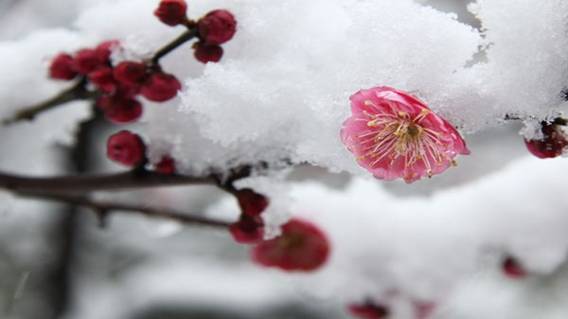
point(395, 135)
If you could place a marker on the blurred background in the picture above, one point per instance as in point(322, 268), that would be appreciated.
point(57, 262)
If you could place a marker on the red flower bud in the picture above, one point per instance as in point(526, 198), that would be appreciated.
point(130, 73)
point(172, 12)
point(120, 109)
point(553, 144)
point(513, 269)
point(167, 165)
point(217, 27)
point(103, 79)
point(301, 247)
point(208, 52)
point(368, 311)
point(247, 230)
point(61, 67)
point(104, 50)
point(161, 87)
point(126, 148)
point(87, 60)
point(251, 202)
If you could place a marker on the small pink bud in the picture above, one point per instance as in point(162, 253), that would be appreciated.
point(161, 87)
point(208, 52)
point(103, 79)
point(61, 67)
point(217, 27)
point(251, 202)
point(167, 165)
point(553, 144)
point(126, 148)
point(513, 269)
point(130, 73)
point(301, 247)
point(172, 12)
point(368, 311)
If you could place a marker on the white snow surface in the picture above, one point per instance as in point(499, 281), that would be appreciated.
point(281, 91)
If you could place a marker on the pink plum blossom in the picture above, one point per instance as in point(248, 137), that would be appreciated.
point(394, 135)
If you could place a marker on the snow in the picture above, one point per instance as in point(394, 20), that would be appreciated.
point(428, 248)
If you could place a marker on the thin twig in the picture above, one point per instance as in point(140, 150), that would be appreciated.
point(105, 207)
point(179, 41)
point(90, 183)
point(74, 93)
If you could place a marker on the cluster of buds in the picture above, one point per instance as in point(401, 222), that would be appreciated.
point(554, 141)
point(302, 246)
point(129, 149)
point(129, 79)
point(117, 86)
point(67, 67)
point(214, 29)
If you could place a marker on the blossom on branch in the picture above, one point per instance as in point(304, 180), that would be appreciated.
point(394, 135)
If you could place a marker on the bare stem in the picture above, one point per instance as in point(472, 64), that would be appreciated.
point(84, 184)
point(102, 208)
point(74, 93)
point(179, 41)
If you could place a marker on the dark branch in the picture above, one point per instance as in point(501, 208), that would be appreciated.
point(179, 41)
point(105, 207)
point(85, 184)
point(74, 93)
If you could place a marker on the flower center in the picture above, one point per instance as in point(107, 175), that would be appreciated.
point(413, 130)
point(401, 135)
